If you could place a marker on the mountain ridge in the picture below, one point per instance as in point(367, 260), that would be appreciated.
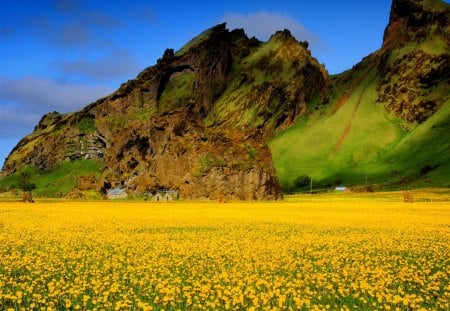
point(405, 88)
point(203, 115)
point(151, 134)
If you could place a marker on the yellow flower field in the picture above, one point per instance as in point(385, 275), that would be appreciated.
point(234, 256)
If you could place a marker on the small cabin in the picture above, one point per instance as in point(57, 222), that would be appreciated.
point(116, 193)
point(341, 189)
point(172, 193)
point(167, 197)
point(157, 198)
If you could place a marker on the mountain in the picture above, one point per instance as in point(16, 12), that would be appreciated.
point(385, 122)
point(197, 121)
point(228, 116)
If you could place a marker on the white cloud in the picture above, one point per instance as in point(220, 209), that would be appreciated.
point(263, 24)
point(119, 64)
point(23, 101)
point(16, 123)
point(41, 93)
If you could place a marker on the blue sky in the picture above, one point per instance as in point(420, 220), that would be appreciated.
point(60, 55)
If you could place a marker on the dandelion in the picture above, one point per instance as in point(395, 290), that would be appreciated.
point(270, 256)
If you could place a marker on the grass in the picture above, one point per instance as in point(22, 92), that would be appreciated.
point(426, 145)
point(56, 183)
point(360, 142)
point(332, 147)
point(86, 125)
point(252, 104)
point(178, 91)
point(243, 256)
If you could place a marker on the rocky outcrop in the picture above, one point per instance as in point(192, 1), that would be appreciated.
point(57, 138)
point(410, 85)
point(411, 70)
point(415, 21)
point(414, 62)
point(176, 151)
point(271, 88)
point(198, 121)
point(197, 77)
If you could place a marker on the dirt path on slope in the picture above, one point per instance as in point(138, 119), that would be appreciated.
point(342, 101)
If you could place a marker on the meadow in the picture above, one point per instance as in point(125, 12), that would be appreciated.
point(298, 255)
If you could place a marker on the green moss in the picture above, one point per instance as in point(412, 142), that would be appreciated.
point(86, 125)
point(253, 98)
point(145, 114)
point(178, 91)
point(435, 45)
point(206, 162)
point(252, 152)
point(116, 121)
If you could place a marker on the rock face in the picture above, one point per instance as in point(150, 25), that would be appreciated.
point(198, 121)
point(415, 21)
point(58, 138)
point(412, 67)
point(271, 87)
point(176, 151)
point(414, 60)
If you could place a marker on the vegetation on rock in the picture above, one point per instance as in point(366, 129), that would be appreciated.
point(382, 123)
point(200, 119)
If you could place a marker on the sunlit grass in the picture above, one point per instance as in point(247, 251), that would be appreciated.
point(304, 255)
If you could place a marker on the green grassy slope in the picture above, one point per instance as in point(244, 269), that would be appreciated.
point(425, 151)
point(56, 183)
point(361, 144)
point(383, 124)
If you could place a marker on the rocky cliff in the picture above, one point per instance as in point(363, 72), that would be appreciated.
point(197, 121)
point(411, 69)
point(176, 151)
point(414, 60)
point(386, 120)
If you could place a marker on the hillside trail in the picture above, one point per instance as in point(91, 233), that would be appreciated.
point(343, 101)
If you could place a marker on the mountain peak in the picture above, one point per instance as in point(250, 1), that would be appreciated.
point(414, 20)
point(200, 119)
point(210, 33)
point(283, 34)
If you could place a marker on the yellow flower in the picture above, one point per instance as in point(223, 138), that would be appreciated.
point(245, 256)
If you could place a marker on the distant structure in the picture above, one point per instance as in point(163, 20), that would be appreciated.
point(27, 197)
point(167, 198)
point(164, 195)
point(116, 193)
point(222, 198)
point(157, 198)
point(341, 188)
point(408, 197)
